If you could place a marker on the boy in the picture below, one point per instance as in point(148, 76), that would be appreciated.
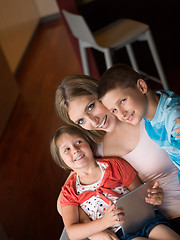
point(127, 96)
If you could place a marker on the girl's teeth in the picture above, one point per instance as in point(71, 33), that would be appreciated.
point(79, 157)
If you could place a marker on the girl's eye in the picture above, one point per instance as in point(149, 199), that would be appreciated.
point(66, 150)
point(80, 121)
point(91, 106)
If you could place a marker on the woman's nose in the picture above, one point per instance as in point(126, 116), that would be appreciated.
point(93, 120)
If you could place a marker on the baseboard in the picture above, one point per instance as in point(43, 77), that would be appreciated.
point(50, 18)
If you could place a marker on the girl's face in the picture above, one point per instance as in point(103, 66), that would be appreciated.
point(74, 151)
point(91, 114)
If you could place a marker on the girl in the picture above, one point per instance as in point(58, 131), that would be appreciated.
point(94, 185)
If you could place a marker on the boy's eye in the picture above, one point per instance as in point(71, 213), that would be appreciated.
point(91, 106)
point(80, 121)
point(78, 142)
point(114, 110)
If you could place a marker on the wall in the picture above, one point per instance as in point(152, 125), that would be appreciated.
point(47, 7)
point(18, 22)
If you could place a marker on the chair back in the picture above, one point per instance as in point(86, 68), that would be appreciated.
point(79, 27)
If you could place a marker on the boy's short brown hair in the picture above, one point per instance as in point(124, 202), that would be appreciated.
point(119, 75)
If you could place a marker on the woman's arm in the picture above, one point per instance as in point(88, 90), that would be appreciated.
point(77, 230)
point(59, 197)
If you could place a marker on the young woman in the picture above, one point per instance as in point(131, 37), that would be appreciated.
point(77, 103)
point(94, 186)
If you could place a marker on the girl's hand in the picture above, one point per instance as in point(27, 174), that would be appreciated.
point(155, 195)
point(112, 216)
point(104, 235)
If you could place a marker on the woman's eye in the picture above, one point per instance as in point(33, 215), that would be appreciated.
point(91, 106)
point(123, 100)
point(80, 121)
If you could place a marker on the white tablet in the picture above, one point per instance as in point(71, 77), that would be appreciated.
point(136, 210)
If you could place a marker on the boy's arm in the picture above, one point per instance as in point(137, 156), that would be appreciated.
point(177, 130)
point(155, 194)
point(77, 230)
point(172, 125)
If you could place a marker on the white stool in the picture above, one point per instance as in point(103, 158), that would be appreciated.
point(114, 36)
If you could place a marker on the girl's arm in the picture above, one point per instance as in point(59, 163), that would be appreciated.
point(135, 183)
point(77, 230)
point(106, 234)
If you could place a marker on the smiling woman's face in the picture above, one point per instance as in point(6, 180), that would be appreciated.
point(91, 114)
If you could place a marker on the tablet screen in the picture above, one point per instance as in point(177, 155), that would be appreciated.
point(136, 210)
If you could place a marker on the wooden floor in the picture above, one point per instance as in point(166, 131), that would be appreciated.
point(29, 179)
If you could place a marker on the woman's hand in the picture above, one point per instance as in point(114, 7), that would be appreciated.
point(155, 195)
point(112, 216)
point(104, 235)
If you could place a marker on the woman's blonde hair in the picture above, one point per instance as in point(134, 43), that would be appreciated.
point(71, 130)
point(74, 86)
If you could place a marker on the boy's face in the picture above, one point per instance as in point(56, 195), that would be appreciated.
point(74, 150)
point(128, 105)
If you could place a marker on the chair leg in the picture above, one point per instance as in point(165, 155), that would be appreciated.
point(84, 58)
point(156, 59)
point(108, 58)
point(132, 57)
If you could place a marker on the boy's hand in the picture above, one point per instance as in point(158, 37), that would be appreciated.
point(155, 195)
point(112, 216)
point(177, 130)
point(104, 235)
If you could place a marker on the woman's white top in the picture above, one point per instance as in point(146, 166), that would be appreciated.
point(153, 163)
